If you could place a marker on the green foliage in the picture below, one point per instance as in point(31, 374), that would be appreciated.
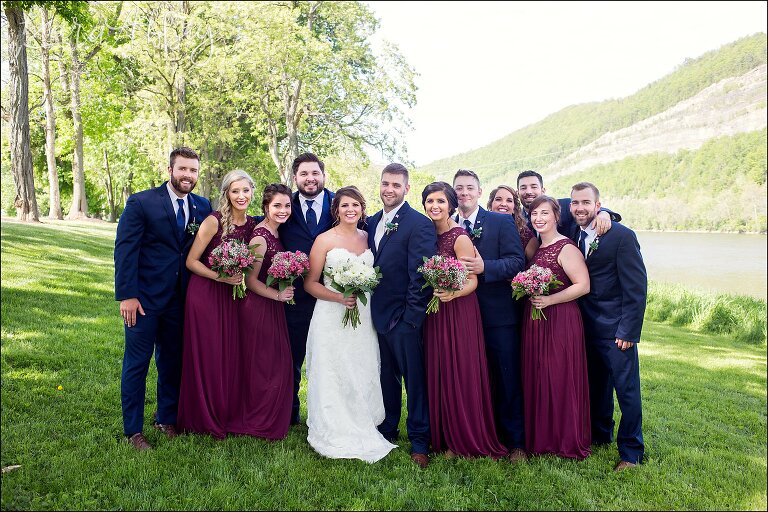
point(742, 318)
point(575, 126)
point(722, 185)
point(704, 420)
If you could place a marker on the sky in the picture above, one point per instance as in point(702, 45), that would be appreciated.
point(487, 69)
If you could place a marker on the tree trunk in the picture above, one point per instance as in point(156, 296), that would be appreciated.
point(79, 206)
point(50, 123)
point(110, 191)
point(21, 156)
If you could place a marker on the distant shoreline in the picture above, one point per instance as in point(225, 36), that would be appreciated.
point(700, 231)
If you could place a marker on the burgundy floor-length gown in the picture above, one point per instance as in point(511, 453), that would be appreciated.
point(460, 409)
point(264, 374)
point(211, 345)
point(554, 372)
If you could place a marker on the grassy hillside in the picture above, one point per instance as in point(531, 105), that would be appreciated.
point(704, 398)
point(719, 187)
point(573, 127)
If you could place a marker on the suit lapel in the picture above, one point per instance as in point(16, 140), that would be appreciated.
point(162, 192)
point(396, 219)
point(299, 215)
point(479, 221)
point(373, 224)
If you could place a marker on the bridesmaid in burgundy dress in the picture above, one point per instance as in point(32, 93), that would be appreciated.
point(504, 199)
point(211, 337)
point(553, 357)
point(460, 409)
point(263, 376)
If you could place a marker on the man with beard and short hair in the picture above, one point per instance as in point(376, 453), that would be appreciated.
point(400, 237)
point(613, 319)
point(530, 185)
point(153, 239)
point(310, 216)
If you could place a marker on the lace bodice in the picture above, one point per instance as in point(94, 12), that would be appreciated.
point(242, 233)
point(526, 234)
point(447, 240)
point(547, 257)
point(273, 246)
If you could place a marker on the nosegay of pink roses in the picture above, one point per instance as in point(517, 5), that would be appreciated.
point(442, 273)
point(231, 258)
point(534, 281)
point(286, 267)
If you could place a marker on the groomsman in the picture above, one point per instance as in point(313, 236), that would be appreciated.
point(501, 257)
point(151, 277)
point(530, 185)
point(400, 237)
point(613, 318)
point(310, 216)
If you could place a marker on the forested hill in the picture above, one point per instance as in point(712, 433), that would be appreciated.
point(720, 96)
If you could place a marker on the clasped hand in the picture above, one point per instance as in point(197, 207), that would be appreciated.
point(234, 280)
point(474, 264)
point(349, 302)
point(541, 301)
point(445, 295)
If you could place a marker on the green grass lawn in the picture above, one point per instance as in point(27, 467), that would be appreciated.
point(704, 399)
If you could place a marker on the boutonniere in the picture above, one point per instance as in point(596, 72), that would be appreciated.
point(390, 227)
point(476, 233)
point(192, 227)
point(593, 245)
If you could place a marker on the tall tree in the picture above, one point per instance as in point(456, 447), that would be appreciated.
point(50, 117)
point(21, 156)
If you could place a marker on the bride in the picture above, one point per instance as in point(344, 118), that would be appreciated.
point(344, 401)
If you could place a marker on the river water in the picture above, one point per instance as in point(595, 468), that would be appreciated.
point(718, 262)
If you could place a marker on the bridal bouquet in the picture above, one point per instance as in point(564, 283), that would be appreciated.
point(285, 268)
point(230, 258)
point(353, 277)
point(442, 273)
point(534, 281)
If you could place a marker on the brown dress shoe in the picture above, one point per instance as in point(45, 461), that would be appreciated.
point(421, 459)
point(139, 442)
point(517, 455)
point(622, 465)
point(168, 430)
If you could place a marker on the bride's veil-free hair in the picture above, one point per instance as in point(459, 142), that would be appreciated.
point(351, 192)
point(224, 205)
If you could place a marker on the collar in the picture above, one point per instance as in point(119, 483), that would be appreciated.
point(472, 218)
point(173, 195)
point(590, 231)
point(318, 199)
point(388, 216)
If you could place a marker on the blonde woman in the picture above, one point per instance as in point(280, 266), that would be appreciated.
point(211, 324)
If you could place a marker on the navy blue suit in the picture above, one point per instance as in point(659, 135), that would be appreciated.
point(614, 308)
point(150, 264)
point(296, 236)
point(566, 225)
point(503, 257)
point(398, 308)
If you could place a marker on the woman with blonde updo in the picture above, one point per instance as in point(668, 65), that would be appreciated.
point(212, 342)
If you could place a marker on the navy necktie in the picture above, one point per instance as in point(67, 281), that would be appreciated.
point(582, 244)
point(311, 216)
point(180, 219)
point(468, 226)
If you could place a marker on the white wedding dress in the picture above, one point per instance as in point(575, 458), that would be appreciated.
point(344, 401)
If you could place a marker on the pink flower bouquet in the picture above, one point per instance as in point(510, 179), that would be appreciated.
point(285, 268)
point(230, 258)
point(442, 273)
point(534, 281)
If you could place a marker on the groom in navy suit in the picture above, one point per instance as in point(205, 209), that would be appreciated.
point(500, 258)
point(153, 239)
point(613, 319)
point(310, 216)
point(400, 237)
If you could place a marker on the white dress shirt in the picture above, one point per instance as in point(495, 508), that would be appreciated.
point(317, 205)
point(472, 218)
point(591, 235)
point(175, 203)
point(381, 227)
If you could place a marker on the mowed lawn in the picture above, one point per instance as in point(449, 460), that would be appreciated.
point(704, 399)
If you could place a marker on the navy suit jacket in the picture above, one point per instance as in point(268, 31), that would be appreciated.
point(296, 236)
point(150, 255)
point(567, 224)
point(399, 295)
point(615, 304)
point(503, 257)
